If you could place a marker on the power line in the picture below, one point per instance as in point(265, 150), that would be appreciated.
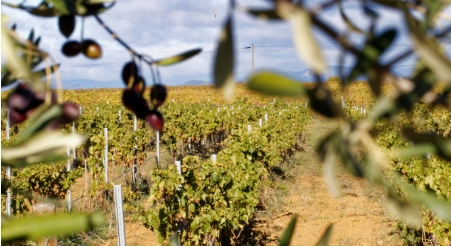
point(157, 14)
point(288, 49)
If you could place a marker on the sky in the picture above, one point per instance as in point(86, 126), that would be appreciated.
point(164, 28)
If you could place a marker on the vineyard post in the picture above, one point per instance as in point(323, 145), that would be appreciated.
point(73, 148)
point(120, 116)
point(342, 102)
point(135, 123)
point(158, 148)
point(249, 128)
point(134, 169)
point(80, 110)
point(306, 103)
point(8, 171)
point(179, 167)
point(260, 122)
point(97, 108)
point(105, 131)
point(69, 193)
point(213, 158)
point(119, 215)
point(266, 117)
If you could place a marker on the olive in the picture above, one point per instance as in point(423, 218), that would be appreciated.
point(155, 120)
point(91, 49)
point(158, 94)
point(71, 48)
point(129, 73)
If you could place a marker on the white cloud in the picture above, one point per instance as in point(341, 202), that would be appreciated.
point(169, 27)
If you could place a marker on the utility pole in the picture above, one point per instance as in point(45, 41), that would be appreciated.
point(252, 59)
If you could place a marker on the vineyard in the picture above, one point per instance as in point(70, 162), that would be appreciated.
point(228, 151)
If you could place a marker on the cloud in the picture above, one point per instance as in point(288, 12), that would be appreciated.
point(166, 28)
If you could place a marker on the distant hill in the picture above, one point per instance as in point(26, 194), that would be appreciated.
point(308, 75)
point(89, 84)
point(195, 82)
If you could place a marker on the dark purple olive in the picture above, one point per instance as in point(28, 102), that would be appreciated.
point(55, 125)
point(15, 117)
point(129, 73)
point(71, 48)
point(155, 120)
point(158, 94)
point(71, 112)
point(139, 85)
point(21, 98)
point(134, 102)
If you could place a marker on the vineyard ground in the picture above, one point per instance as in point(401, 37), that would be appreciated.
point(358, 216)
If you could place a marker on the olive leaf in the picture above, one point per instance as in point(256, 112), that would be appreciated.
point(327, 235)
point(288, 232)
point(429, 50)
point(273, 84)
point(224, 60)
point(328, 156)
point(348, 22)
point(38, 146)
point(367, 60)
point(15, 65)
point(32, 228)
point(441, 208)
point(304, 42)
point(178, 58)
point(265, 14)
point(404, 210)
point(321, 101)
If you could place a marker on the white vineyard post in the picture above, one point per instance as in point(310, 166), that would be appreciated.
point(179, 167)
point(8, 172)
point(342, 102)
point(213, 158)
point(179, 171)
point(105, 132)
point(158, 147)
point(119, 215)
point(120, 116)
point(249, 128)
point(73, 147)
point(80, 110)
point(97, 108)
point(134, 169)
point(266, 117)
point(69, 193)
point(135, 123)
point(260, 123)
